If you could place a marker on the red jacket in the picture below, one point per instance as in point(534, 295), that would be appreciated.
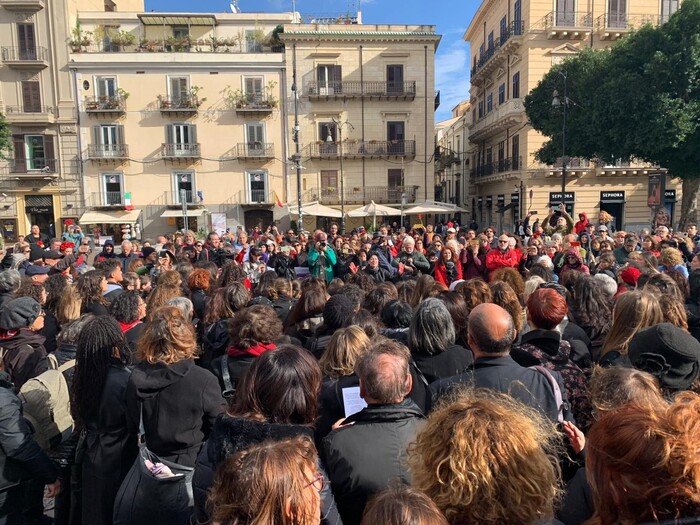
point(496, 259)
point(441, 273)
point(581, 225)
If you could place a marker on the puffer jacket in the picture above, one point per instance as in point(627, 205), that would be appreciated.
point(358, 471)
point(496, 259)
point(25, 355)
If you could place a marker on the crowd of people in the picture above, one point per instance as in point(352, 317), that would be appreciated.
point(440, 375)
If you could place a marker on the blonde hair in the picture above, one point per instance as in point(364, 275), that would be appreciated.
point(343, 351)
point(68, 305)
point(532, 284)
point(632, 311)
point(167, 338)
point(486, 458)
point(670, 257)
point(614, 387)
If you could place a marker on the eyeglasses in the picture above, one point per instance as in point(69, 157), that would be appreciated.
point(318, 482)
point(501, 240)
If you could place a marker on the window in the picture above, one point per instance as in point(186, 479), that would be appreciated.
point(481, 52)
point(617, 13)
point(481, 108)
point(517, 15)
point(515, 151)
point(253, 42)
point(490, 41)
point(395, 134)
point(257, 186)
point(112, 190)
point(566, 13)
point(489, 103)
point(502, 94)
point(31, 96)
point(34, 153)
point(253, 88)
point(474, 64)
point(489, 158)
point(179, 89)
point(502, 155)
point(107, 44)
point(105, 87)
point(108, 139)
point(504, 29)
point(473, 115)
point(27, 42)
point(330, 79)
point(668, 7)
point(183, 186)
point(181, 139)
point(394, 78)
point(325, 130)
point(255, 138)
point(515, 92)
point(181, 32)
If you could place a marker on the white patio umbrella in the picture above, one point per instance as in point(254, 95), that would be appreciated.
point(372, 210)
point(316, 209)
point(434, 207)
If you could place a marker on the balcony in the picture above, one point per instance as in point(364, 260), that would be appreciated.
point(261, 197)
point(256, 151)
point(30, 115)
point(352, 149)
point(509, 41)
point(612, 26)
point(37, 168)
point(112, 105)
point(22, 5)
point(568, 25)
point(181, 152)
point(508, 165)
point(252, 105)
point(108, 152)
point(228, 45)
point(180, 106)
point(25, 59)
point(363, 195)
point(507, 115)
point(357, 89)
point(106, 199)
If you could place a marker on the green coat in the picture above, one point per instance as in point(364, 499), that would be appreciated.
point(318, 264)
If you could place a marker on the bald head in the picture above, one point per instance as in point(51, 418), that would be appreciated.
point(491, 330)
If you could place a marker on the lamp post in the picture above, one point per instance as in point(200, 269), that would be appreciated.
point(339, 126)
point(563, 104)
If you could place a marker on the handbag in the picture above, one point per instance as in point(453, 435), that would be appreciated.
point(146, 498)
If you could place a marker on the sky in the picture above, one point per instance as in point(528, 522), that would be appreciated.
point(451, 18)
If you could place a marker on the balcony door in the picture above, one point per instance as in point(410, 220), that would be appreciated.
point(257, 186)
point(395, 181)
point(396, 136)
point(106, 87)
point(179, 88)
point(34, 153)
point(565, 13)
point(254, 89)
point(330, 191)
point(182, 138)
point(326, 130)
point(112, 189)
point(31, 96)
point(617, 13)
point(27, 42)
point(329, 79)
point(255, 138)
point(183, 181)
point(109, 137)
point(394, 78)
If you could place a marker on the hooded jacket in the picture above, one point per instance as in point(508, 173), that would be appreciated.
point(180, 403)
point(104, 254)
point(25, 355)
point(581, 224)
point(579, 266)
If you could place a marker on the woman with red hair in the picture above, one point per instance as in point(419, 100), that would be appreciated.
point(448, 269)
point(544, 346)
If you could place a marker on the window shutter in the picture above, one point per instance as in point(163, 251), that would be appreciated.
point(192, 134)
point(97, 134)
point(337, 74)
point(120, 135)
point(170, 134)
point(50, 157)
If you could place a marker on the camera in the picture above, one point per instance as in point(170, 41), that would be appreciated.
point(323, 244)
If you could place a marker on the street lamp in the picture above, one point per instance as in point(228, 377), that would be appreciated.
point(339, 126)
point(557, 103)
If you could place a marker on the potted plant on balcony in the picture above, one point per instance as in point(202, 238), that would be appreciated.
point(270, 99)
point(122, 38)
point(164, 102)
point(236, 98)
point(193, 100)
point(80, 39)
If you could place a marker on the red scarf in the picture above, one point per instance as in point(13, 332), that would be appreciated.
point(256, 350)
point(128, 326)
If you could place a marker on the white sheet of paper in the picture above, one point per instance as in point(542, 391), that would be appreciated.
point(352, 402)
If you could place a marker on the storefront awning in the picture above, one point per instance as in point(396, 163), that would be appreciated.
point(178, 213)
point(110, 217)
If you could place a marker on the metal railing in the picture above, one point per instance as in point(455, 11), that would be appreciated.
point(255, 149)
point(181, 150)
point(184, 103)
point(190, 45)
point(22, 54)
point(174, 197)
point(499, 166)
point(105, 104)
point(106, 198)
point(38, 165)
point(106, 151)
point(14, 110)
point(515, 28)
point(357, 88)
point(572, 163)
point(568, 19)
point(365, 194)
point(250, 101)
point(359, 149)
point(625, 21)
point(260, 196)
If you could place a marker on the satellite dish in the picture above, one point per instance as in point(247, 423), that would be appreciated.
point(234, 6)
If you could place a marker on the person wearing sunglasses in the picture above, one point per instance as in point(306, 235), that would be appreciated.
point(502, 257)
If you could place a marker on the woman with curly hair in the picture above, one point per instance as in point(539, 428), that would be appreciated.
point(671, 258)
point(176, 422)
point(590, 308)
point(91, 287)
point(448, 268)
point(167, 287)
point(199, 282)
point(224, 304)
point(129, 309)
point(476, 479)
point(276, 482)
point(475, 292)
point(643, 463)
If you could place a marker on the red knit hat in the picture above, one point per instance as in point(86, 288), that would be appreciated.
point(630, 275)
point(66, 245)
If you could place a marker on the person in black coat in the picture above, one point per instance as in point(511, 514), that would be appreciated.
point(376, 271)
point(129, 309)
point(98, 405)
point(389, 422)
point(199, 282)
point(21, 459)
point(271, 403)
point(491, 334)
point(337, 313)
point(91, 287)
point(431, 339)
point(10, 281)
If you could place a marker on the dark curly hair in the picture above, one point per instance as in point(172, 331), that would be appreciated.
point(89, 286)
point(125, 307)
point(254, 325)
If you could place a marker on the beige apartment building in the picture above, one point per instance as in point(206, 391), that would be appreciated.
point(180, 119)
point(513, 44)
point(452, 160)
point(366, 103)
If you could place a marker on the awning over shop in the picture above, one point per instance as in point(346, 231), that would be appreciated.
point(178, 213)
point(110, 217)
point(315, 209)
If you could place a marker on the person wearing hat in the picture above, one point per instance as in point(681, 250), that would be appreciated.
point(603, 233)
point(668, 353)
point(24, 354)
point(107, 251)
point(37, 273)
